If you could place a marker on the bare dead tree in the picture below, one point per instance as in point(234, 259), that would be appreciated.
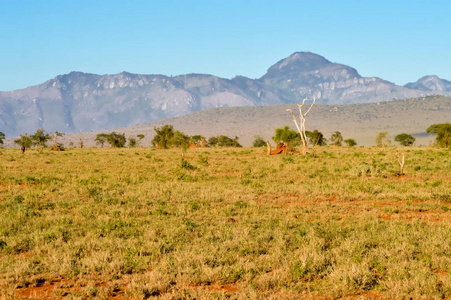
point(301, 127)
point(401, 163)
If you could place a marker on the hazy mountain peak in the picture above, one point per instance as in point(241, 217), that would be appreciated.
point(300, 62)
point(430, 83)
point(303, 59)
point(308, 68)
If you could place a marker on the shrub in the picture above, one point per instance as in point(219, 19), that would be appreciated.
point(350, 142)
point(258, 142)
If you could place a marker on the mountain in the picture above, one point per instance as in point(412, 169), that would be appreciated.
point(430, 83)
point(308, 74)
point(80, 102)
point(84, 102)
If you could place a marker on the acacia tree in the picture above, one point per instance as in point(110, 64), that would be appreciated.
point(223, 141)
point(198, 140)
point(350, 142)
point(213, 141)
point(316, 138)
point(443, 132)
point(140, 137)
point(301, 127)
point(336, 138)
point(288, 136)
point(405, 139)
point(235, 142)
point(382, 140)
point(132, 142)
point(100, 139)
point(116, 140)
point(24, 141)
point(180, 140)
point(40, 138)
point(163, 136)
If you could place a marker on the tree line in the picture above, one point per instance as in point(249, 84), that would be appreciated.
point(167, 137)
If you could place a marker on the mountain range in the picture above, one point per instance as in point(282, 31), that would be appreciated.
point(81, 102)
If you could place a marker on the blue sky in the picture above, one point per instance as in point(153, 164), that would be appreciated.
point(399, 41)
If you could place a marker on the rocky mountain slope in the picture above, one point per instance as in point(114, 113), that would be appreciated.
point(80, 102)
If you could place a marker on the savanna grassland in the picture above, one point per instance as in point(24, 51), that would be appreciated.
point(225, 223)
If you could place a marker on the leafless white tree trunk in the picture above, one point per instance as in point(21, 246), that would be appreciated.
point(401, 163)
point(301, 128)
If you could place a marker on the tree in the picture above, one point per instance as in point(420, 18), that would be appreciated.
point(316, 138)
point(180, 140)
point(2, 137)
point(235, 142)
point(198, 140)
point(101, 138)
point(286, 135)
point(132, 142)
point(223, 141)
point(444, 137)
point(401, 163)
point(40, 138)
point(405, 139)
point(163, 136)
point(301, 128)
point(435, 128)
point(24, 141)
point(258, 142)
point(140, 137)
point(382, 140)
point(443, 132)
point(116, 140)
point(336, 138)
point(350, 142)
point(57, 146)
point(213, 141)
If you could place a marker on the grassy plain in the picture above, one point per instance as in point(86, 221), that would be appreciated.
point(225, 223)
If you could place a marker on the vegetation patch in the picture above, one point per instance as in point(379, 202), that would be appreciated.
point(226, 223)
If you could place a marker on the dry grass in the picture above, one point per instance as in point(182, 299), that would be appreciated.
point(225, 223)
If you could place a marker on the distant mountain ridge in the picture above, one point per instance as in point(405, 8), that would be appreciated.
point(430, 83)
point(80, 102)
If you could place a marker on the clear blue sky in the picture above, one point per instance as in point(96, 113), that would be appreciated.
point(399, 41)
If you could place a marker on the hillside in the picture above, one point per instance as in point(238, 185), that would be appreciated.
point(359, 121)
point(80, 102)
